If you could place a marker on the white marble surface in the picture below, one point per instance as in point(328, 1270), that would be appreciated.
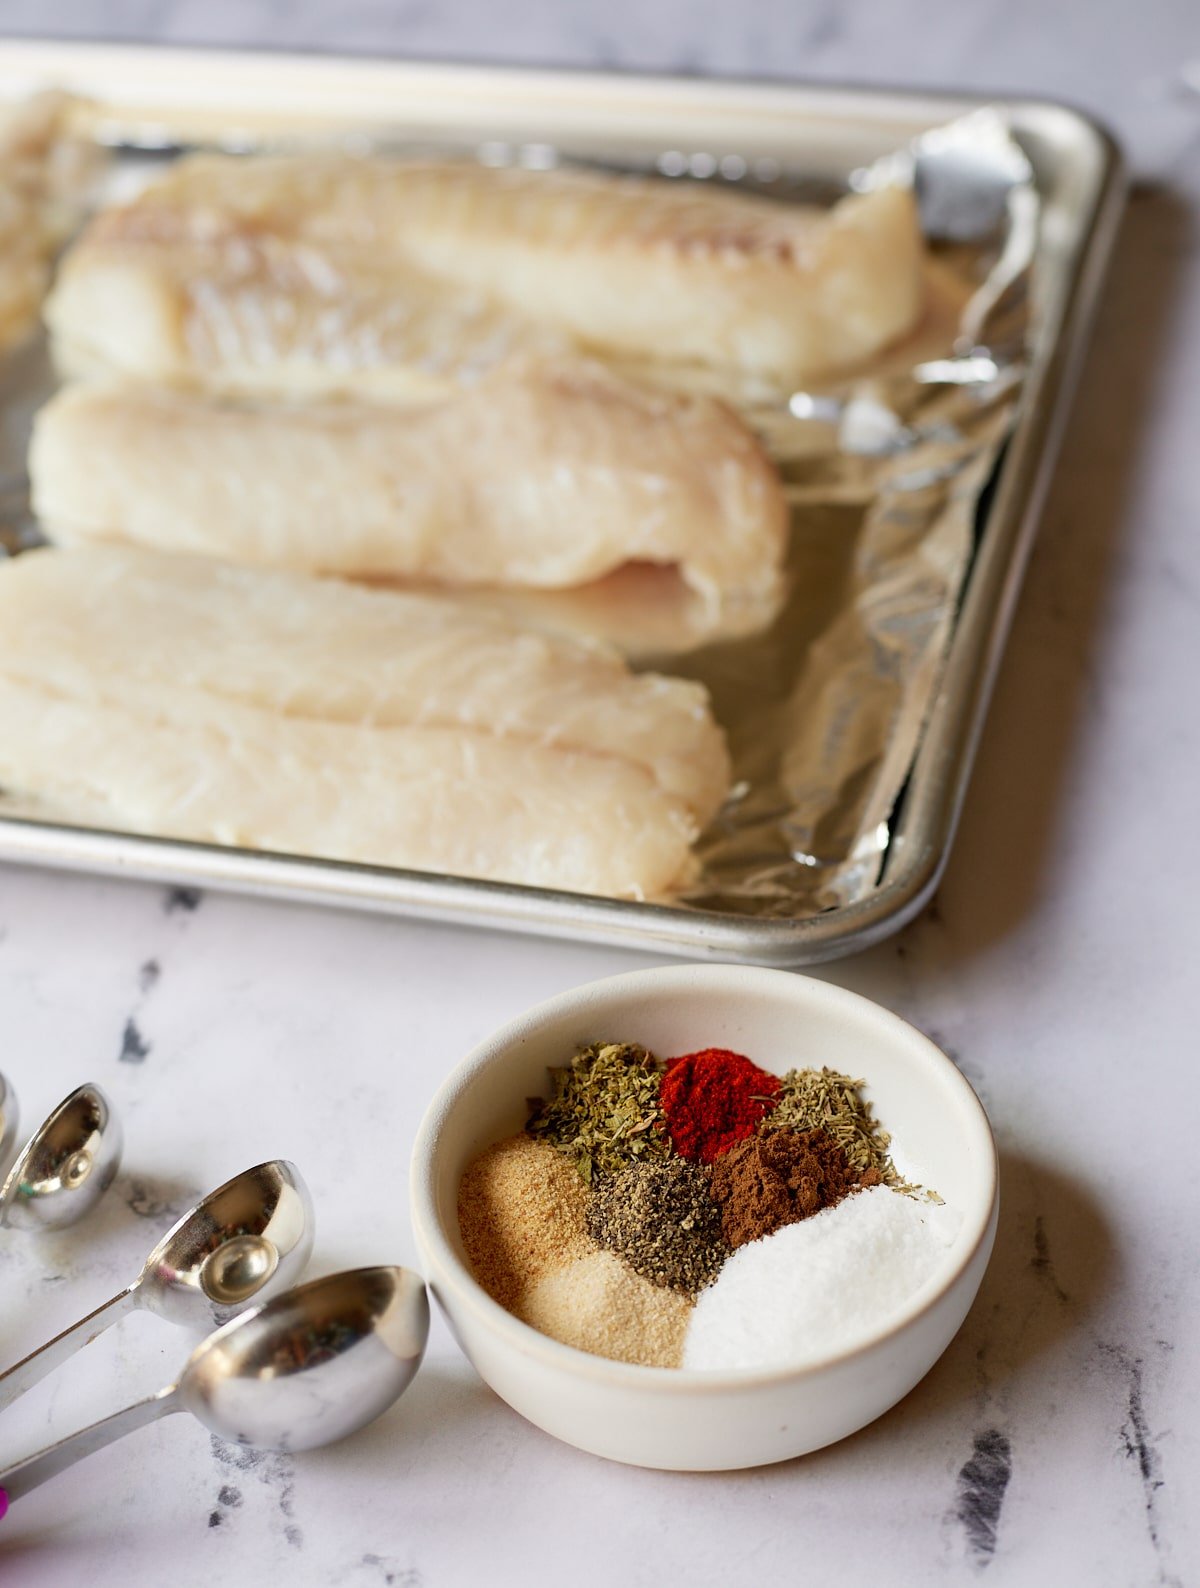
point(1057, 1440)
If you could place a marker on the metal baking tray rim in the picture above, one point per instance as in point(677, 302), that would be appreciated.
point(932, 801)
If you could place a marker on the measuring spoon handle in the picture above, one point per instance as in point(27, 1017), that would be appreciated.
point(30, 1370)
point(25, 1475)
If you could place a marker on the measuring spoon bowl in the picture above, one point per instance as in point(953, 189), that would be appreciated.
point(246, 1241)
point(10, 1118)
point(305, 1369)
point(66, 1166)
point(312, 1365)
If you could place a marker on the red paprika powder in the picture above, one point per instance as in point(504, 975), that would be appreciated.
point(712, 1100)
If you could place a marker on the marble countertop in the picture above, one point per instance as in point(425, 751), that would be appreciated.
point(1056, 1441)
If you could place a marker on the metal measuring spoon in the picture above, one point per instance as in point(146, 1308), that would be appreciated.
point(9, 1119)
point(248, 1239)
point(66, 1166)
point(300, 1371)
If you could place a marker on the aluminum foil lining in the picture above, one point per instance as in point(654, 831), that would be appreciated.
point(885, 472)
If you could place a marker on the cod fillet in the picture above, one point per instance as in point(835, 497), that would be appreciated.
point(263, 316)
point(184, 697)
point(682, 272)
point(544, 477)
point(46, 171)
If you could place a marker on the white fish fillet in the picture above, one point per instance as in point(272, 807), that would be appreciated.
point(332, 652)
point(184, 697)
point(264, 316)
point(429, 799)
point(46, 170)
point(679, 272)
point(542, 476)
point(644, 612)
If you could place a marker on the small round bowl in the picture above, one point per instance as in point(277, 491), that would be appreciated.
point(709, 1421)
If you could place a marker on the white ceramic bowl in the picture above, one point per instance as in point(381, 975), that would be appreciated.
point(692, 1421)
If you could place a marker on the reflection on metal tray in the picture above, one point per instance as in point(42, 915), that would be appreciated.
point(828, 847)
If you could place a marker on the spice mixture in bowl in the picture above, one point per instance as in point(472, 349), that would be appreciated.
point(609, 1222)
point(705, 1217)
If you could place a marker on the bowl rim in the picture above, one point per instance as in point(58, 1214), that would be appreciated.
point(447, 1269)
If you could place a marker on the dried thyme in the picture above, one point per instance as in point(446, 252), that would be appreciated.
point(827, 1100)
point(605, 1112)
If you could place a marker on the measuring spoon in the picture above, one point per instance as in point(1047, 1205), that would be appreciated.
point(250, 1238)
point(66, 1166)
point(9, 1119)
point(302, 1370)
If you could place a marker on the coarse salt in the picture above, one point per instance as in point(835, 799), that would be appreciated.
point(820, 1286)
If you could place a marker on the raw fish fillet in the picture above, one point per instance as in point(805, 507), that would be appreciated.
point(180, 764)
point(46, 170)
point(264, 316)
point(673, 271)
point(540, 476)
point(184, 697)
point(332, 652)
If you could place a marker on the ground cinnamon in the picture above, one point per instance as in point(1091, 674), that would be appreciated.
point(780, 1178)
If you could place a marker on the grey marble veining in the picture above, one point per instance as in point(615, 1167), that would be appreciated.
point(1056, 1441)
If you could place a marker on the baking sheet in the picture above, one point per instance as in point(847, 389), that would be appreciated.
point(831, 709)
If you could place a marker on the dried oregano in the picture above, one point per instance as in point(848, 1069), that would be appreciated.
point(605, 1111)
point(827, 1100)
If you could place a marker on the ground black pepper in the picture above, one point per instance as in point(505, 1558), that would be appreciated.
point(661, 1218)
